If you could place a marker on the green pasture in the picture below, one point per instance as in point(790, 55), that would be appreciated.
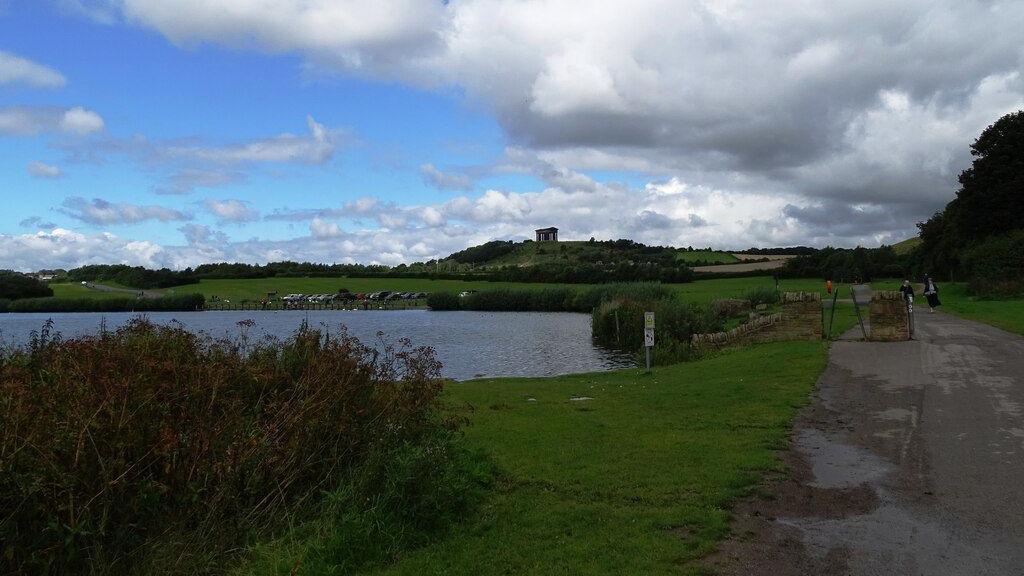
point(608, 473)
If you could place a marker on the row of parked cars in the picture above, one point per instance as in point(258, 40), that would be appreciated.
point(352, 296)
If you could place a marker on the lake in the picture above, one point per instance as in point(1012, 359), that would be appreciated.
point(468, 344)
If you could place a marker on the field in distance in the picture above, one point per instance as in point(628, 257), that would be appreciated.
point(701, 291)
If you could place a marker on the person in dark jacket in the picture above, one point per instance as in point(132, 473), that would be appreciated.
point(907, 289)
point(931, 292)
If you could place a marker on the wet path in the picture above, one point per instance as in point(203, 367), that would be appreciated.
point(909, 461)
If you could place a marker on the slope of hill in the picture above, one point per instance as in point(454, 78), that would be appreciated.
point(521, 254)
point(907, 246)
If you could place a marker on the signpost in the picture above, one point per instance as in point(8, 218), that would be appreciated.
point(910, 314)
point(648, 337)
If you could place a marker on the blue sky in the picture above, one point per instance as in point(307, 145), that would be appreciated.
point(142, 85)
point(175, 132)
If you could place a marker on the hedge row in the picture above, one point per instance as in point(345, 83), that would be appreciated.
point(177, 303)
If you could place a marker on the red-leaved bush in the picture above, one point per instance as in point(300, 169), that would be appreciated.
point(113, 443)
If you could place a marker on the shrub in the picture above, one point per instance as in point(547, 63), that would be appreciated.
point(619, 324)
point(151, 446)
point(763, 295)
point(443, 301)
point(14, 286)
point(547, 299)
point(590, 298)
point(996, 266)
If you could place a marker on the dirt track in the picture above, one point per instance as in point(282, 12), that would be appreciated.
point(908, 461)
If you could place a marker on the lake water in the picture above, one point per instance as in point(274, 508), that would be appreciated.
point(468, 344)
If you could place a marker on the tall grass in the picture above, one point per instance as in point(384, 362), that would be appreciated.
point(547, 299)
point(151, 449)
point(619, 324)
point(174, 303)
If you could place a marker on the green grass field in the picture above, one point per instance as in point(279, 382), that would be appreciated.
point(69, 290)
point(701, 291)
point(637, 479)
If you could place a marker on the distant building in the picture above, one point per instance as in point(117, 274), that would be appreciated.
point(547, 235)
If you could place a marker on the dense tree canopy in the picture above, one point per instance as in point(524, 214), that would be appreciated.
point(988, 211)
point(14, 286)
point(991, 196)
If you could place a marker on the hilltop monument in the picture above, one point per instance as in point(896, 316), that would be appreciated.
point(547, 234)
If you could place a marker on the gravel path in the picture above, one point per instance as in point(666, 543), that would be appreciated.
point(910, 460)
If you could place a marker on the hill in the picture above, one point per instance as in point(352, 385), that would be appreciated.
point(907, 246)
point(499, 253)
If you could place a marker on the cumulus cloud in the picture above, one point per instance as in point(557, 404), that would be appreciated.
point(38, 169)
point(445, 180)
point(235, 211)
point(29, 121)
point(863, 100)
point(17, 70)
point(352, 34)
point(319, 228)
point(101, 212)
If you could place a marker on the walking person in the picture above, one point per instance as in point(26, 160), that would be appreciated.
point(907, 289)
point(931, 292)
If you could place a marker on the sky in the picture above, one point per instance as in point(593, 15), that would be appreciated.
point(176, 132)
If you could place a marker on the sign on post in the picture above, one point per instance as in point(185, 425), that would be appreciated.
point(648, 337)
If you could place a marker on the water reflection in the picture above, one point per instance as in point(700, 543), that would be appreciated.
point(469, 344)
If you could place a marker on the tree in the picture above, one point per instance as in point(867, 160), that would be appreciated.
point(14, 285)
point(991, 196)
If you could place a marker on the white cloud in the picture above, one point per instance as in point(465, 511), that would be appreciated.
point(38, 169)
point(445, 181)
point(232, 210)
point(349, 33)
point(17, 70)
point(81, 121)
point(29, 121)
point(740, 95)
point(317, 148)
point(101, 212)
point(324, 229)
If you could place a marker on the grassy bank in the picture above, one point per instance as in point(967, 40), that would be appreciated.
point(635, 480)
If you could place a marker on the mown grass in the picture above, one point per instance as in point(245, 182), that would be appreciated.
point(72, 290)
point(636, 480)
point(1007, 314)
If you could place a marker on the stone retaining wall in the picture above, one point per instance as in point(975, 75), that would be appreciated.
point(800, 319)
point(888, 316)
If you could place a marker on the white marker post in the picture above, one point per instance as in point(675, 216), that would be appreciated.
point(648, 337)
point(910, 314)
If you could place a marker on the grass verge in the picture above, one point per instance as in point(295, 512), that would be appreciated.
point(636, 479)
point(1007, 314)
